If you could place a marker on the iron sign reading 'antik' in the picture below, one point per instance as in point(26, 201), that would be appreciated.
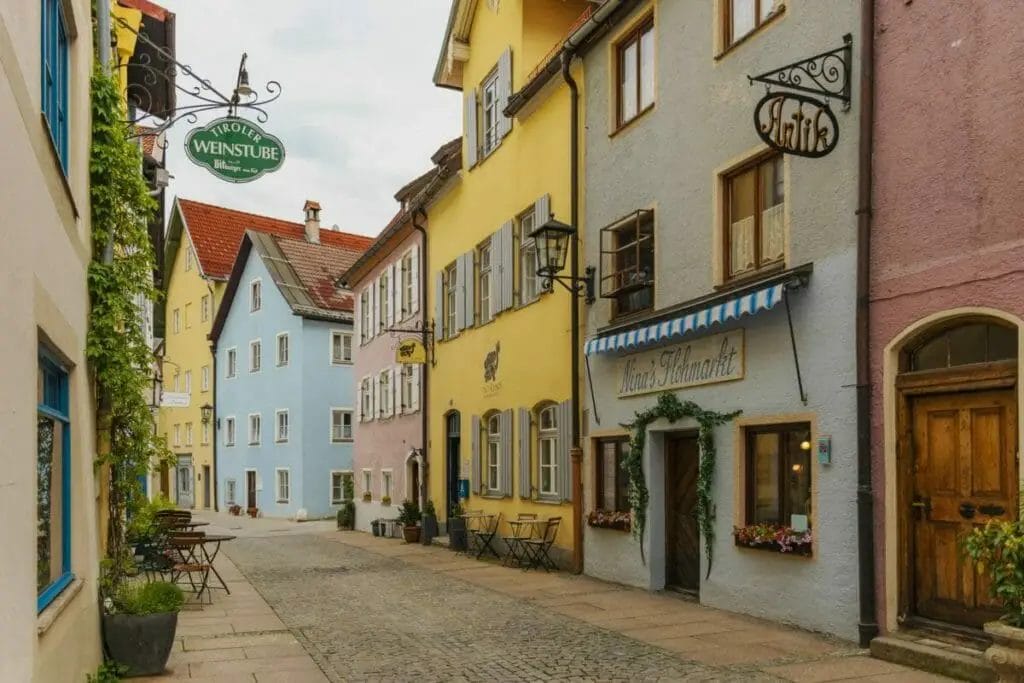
point(234, 149)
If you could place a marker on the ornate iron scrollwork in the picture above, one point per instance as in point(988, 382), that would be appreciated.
point(827, 74)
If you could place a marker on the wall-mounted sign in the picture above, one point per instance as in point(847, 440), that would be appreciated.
point(705, 360)
point(234, 149)
point(174, 399)
point(410, 352)
point(796, 124)
point(491, 364)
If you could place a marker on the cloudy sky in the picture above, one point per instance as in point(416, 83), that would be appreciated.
point(359, 115)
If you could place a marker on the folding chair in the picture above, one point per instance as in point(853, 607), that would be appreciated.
point(486, 533)
point(538, 549)
point(520, 533)
point(472, 522)
point(190, 562)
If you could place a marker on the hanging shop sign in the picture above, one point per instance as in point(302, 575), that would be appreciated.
point(705, 360)
point(795, 116)
point(234, 149)
point(174, 399)
point(411, 352)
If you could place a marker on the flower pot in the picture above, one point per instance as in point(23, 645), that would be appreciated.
point(429, 529)
point(457, 533)
point(411, 534)
point(375, 526)
point(141, 642)
point(1006, 654)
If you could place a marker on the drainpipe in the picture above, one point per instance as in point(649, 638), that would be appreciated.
point(575, 453)
point(103, 33)
point(417, 215)
point(213, 417)
point(868, 626)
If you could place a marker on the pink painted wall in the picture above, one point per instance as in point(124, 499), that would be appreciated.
point(948, 226)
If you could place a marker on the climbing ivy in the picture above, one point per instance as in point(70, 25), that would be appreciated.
point(120, 277)
point(669, 407)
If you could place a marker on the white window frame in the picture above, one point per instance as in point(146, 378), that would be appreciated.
point(283, 361)
point(229, 431)
point(547, 445)
point(383, 299)
point(255, 360)
point(490, 135)
point(330, 351)
point(385, 402)
point(492, 462)
point(259, 429)
point(366, 408)
point(177, 380)
point(527, 258)
point(287, 498)
point(341, 473)
point(176, 318)
point(351, 425)
point(451, 300)
point(204, 378)
point(188, 435)
point(387, 481)
point(406, 385)
point(255, 295)
point(405, 280)
point(368, 481)
point(204, 308)
point(279, 435)
point(188, 258)
point(365, 305)
point(483, 282)
point(188, 382)
point(176, 440)
point(186, 316)
point(231, 363)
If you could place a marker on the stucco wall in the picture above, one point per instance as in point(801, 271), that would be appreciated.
point(947, 189)
point(669, 160)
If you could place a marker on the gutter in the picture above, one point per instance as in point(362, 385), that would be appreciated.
point(868, 625)
point(213, 416)
point(424, 374)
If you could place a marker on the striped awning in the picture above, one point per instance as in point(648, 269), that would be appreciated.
point(746, 304)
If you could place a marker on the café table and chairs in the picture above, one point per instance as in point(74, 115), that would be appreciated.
point(537, 550)
point(523, 527)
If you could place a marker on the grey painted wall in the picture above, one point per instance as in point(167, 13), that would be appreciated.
point(669, 160)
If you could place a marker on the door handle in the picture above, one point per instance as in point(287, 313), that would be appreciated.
point(967, 510)
point(991, 510)
point(922, 504)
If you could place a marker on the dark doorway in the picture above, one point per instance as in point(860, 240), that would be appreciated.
point(682, 537)
point(250, 489)
point(451, 452)
point(206, 486)
point(165, 480)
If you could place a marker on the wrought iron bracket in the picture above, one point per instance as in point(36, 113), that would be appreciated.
point(426, 332)
point(579, 286)
point(826, 74)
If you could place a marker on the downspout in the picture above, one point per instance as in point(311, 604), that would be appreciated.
point(868, 626)
point(575, 453)
point(420, 214)
point(213, 417)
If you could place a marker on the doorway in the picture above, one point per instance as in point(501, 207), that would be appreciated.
point(682, 535)
point(452, 443)
point(206, 486)
point(185, 496)
point(250, 489)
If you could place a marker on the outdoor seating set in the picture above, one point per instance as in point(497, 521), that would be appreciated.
point(528, 545)
point(174, 550)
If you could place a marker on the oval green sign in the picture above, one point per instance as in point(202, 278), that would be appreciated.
point(234, 149)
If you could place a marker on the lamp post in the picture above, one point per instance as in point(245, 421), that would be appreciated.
point(552, 240)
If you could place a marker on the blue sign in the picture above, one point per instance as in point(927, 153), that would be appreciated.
point(463, 489)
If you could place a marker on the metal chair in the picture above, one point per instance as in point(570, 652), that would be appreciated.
point(520, 533)
point(538, 549)
point(189, 562)
point(485, 534)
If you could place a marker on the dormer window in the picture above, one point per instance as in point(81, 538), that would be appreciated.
point(486, 124)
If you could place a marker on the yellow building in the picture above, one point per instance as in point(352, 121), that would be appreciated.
point(499, 393)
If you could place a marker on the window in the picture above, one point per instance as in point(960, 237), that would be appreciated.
point(368, 482)
point(491, 114)
point(255, 354)
point(627, 263)
point(451, 299)
point(204, 378)
point(255, 296)
point(755, 207)
point(254, 429)
point(547, 434)
point(744, 16)
point(230, 490)
point(341, 487)
point(176, 318)
point(53, 485)
point(188, 381)
point(778, 482)
point(966, 343)
point(283, 485)
point(341, 348)
point(177, 435)
point(177, 378)
point(365, 329)
point(231, 364)
point(528, 289)
point(385, 484)
point(341, 425)
point(366, 397)
point(229, 431)
point(383, 298)
point(55, 77)
point(408, 293)
point(188, 316)
point(408, 383)
point(188, 259)
point(282, 349)
point(281, 430)
point(493, 445)
point(205, 430)
point(635, 89)
point(204, 308)
point(188, 434)
point(611, 480)
point(483, 285)
point(384, 402)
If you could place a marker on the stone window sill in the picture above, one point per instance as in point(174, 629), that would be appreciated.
point(48, 616)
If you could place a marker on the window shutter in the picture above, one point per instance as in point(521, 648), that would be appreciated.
point(357, 323)
point(391, 317)
point(375, 395)
point(414, 400)
point(359, 408)
point(414, 267)
point(374, 295)
point(468, 290)
point(524, 453)
point(475, 455)
point(507, 271)
point(564, 443)
point(439, 318)
point(541, 211)
point(494, 282)
point(470, 131)
point(460, 295)
point(506, 453)
point(505, 90)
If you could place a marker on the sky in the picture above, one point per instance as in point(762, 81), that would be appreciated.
point(359, 115)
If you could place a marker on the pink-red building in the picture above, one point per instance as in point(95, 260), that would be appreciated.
point(946, 299)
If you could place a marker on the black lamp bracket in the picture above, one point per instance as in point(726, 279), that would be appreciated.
point(580, 286)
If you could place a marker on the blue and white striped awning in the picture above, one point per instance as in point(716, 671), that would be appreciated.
point(747, 304)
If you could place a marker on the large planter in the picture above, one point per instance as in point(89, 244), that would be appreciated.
point(141, 642)
point(1006, 655)
point(457, 534)
point(429, 529)
point(411, 534)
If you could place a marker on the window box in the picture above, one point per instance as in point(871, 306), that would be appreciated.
point(385, 500)
point(367, 497)
point(774, 538)
point(605, 519)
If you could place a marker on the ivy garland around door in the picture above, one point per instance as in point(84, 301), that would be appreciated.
point(672, 409)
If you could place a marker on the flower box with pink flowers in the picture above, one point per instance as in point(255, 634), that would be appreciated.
point(774, 538)
point(605, 519)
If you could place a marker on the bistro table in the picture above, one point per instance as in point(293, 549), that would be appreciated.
point(522, 529)
point(200, 550)
point(214, 541)
point(484, 533)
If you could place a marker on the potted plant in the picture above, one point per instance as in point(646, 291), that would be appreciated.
point(385, 500)
point(409, 517)
point(457, 529)
point(776, 538)
point(429, 523)
point(367, 497)
point(998, 551)
point(375, 527)
point(139, 624)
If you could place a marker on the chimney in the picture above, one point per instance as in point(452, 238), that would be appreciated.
point(312, 211)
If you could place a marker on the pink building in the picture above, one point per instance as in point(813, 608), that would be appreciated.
point(946, 300)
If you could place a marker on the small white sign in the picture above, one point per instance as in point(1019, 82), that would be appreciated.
point(174, 399)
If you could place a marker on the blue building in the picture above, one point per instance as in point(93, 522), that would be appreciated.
point(285, 393)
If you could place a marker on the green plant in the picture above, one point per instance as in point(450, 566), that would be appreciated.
point(409, 513)
point(385, 500)
point(108, 672)
point(998, 550)
point(429, 510)
point(456, 510)
point(155, 597)
point(347, 515)
point(142, 521)
point(670, 408)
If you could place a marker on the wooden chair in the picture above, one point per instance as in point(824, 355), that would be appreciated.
point(189, 562)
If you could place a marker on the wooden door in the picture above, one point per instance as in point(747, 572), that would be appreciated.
point(964, 474)
point(250, 489)
point(682, 537)
point(206, 486)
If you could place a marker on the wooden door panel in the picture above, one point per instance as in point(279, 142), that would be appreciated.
point(988, 469)
point(682, 537)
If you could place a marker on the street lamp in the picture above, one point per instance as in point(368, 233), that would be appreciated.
point(207, 413)
point(242, 89)
point(552, 240)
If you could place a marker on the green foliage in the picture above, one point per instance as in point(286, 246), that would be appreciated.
point(429, 510)
point(670, 408)
point(142, 522)
point(120, 274)
point(998, 550)
point(108, 672)
point(347, 515)
point(156, 597)
point(409, 513)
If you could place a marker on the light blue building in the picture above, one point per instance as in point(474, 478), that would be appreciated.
point(285, 393)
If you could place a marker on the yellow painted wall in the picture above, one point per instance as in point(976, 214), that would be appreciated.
point(126, 40)
point(532, 160)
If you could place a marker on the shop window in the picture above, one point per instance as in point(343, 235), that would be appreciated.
point(964, 344)
point(611, 480)
point(627, 263)
point(635, 80)
point(755, 218)
point(778, 471)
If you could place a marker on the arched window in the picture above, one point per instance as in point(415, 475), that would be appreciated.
point(965, 344)
point(547, 449)
point(493, 434)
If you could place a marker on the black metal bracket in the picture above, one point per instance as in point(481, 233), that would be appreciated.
point(579, 286)
point(426, 332)
point(826, 74)
point(796, 357)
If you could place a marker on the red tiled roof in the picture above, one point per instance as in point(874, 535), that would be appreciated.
point(216, 233)
point(319, 266)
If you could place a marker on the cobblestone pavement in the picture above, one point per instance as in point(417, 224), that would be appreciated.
point(372, 609)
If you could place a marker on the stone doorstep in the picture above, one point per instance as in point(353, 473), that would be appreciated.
point(934, 656)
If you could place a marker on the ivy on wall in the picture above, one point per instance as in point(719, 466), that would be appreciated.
point(670, 408)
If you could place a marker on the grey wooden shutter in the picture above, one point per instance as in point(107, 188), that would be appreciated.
point(460, 294)
point(524, 453)
point(439, 319)
point(506, 268)
point(359, 408)
point(373, 309)
point(506, 453)
point(494, 282)
point(504, 91)
point(474, 441)
point(541, 211)
point(414, 277)
point(416, 383)
point(564, 444)
point(468, 290)
point(470, 132)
